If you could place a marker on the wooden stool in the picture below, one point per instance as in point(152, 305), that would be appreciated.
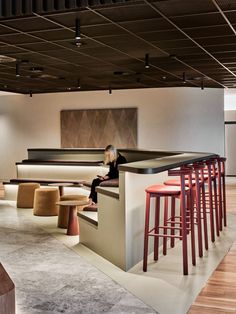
point(73, 226)
point(45, 202)
point(63, 215)
point(25, 195)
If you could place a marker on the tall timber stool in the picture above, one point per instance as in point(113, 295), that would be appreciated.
point(161, 230)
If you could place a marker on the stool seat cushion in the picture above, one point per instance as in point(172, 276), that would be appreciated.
point(91, 208)
point(164, 189)
point(25, 194)
point(105, 183)
point(63, 216)
point(45, 202)
point(110, 183)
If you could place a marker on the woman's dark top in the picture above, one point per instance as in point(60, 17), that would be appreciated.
point(113, 171)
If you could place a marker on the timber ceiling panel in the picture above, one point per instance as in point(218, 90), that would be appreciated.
point(187, 43)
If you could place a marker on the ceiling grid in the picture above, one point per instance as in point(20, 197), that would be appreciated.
point(187, 43)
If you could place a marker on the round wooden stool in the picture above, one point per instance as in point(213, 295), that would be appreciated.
point(25, 195)
point(45, 202)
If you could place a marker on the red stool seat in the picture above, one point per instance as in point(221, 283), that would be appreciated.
point(163, 189)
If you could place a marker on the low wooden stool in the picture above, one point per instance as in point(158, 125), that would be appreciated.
point(45, 202)
point(25, 195)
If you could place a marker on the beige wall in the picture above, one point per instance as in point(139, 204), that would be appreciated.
point(168, 118)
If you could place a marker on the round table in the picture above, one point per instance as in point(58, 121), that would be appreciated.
point(73, 226)
point(61, 186)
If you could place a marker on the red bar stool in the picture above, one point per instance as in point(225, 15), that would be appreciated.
point(213, 197)
point(221, 192)
point(200, 204)
point(198, 192)
point(172, 225)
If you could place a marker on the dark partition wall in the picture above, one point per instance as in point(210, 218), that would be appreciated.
point(99, 127)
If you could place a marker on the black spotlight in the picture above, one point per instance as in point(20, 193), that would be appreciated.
point(202, 83)
point(147, 66)
point(17, 69)
point(77, 29)
point(184, 78)
point(31, 94)
point(110, 90)
point(78, 84)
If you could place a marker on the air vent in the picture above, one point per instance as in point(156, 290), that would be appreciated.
point(6, 59)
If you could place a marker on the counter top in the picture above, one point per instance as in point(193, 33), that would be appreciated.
point(157, 165)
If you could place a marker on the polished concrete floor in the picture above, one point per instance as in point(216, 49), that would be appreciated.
point(163, 287)
point(50, 277)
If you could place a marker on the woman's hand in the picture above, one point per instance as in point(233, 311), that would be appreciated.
point(102, 178)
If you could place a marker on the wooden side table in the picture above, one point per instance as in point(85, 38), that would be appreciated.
point(60, 186)
point(73, 226)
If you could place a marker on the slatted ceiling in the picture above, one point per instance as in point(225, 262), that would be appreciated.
point(231, 16)
point(195, 21)
point(184, 43)
point(55, 35)
point(18, 39)
point(223, 40)
point(107, 47)
point(4, 31)
point(159, 36)
point(219, 30)
point(174, 7)
point(219, 48)
point(102, 31)
point(122, 14)
point(227, 4)
point(29, 24)
point(148, 25)
point(86, 18)
point(184, 51)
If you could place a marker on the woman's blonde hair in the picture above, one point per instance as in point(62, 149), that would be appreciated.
point(111, 154)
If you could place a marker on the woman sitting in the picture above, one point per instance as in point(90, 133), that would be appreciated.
point(112, 158)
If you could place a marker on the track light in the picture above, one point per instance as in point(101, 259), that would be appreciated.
point(202, 83)
point(77, 29)
point(17, 69)
point(78, 84)
point(31, 95)
point(184, 78)
point(147, 66)
point(110, 90)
